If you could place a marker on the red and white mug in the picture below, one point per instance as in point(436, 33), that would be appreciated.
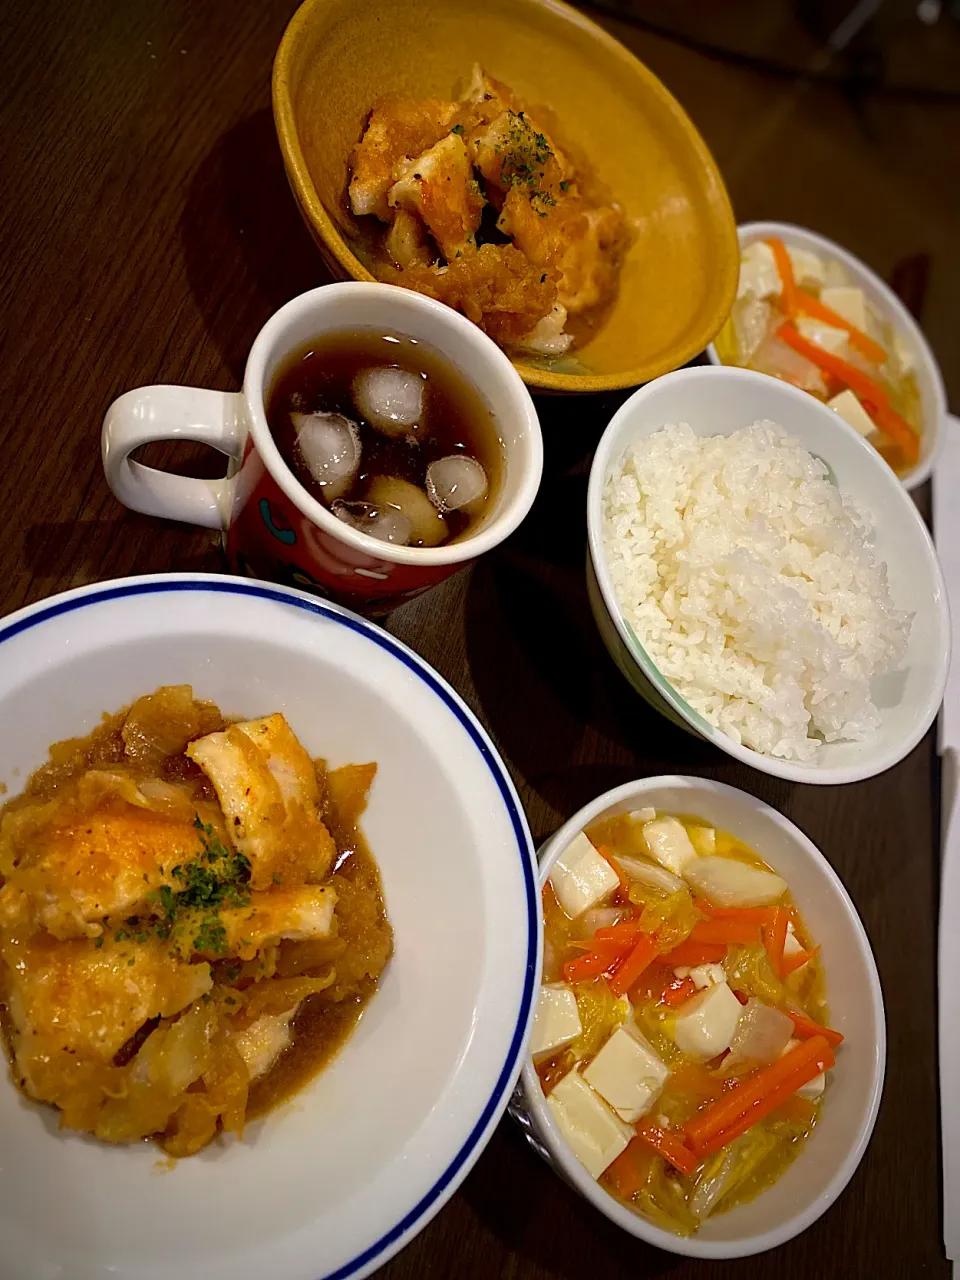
point(273, 528)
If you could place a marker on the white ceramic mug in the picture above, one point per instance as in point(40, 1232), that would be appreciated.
point(273, 528)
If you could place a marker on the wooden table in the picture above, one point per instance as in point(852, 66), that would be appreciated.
point(146, 233)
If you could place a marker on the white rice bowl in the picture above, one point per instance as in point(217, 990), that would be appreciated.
point(750, 581)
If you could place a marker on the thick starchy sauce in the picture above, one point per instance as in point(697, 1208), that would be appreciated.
point(147, 748)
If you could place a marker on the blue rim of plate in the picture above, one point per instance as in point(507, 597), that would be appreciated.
point(290, 596)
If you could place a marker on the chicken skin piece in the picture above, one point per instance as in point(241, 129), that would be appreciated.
point(295, 914)
point(104, 863)
point(267, 787)
point(81, 999)
point(439, 187)
point(398, 129)
point(512, 151)
point(407, 242)
point(565, 233)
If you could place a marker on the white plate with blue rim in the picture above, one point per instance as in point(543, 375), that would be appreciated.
point(335, 1182)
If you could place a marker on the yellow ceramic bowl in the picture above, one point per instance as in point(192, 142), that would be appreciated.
point(680, 276)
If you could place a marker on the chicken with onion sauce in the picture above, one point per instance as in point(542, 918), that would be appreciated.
point(486, 213)
point(190, 922)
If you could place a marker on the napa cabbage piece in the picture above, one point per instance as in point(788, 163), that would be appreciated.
point(749, 971)
point(670, 915)
point(650, 874)
point(653, 1023)
point(600, 1015)
point(729, 1169)
point(661, 1196)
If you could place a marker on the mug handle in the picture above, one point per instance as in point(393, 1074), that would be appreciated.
point(172, 413)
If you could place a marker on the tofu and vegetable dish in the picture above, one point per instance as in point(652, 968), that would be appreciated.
point(680, 1037)
point(801, 318)
point(190, 922)
point(484, 211)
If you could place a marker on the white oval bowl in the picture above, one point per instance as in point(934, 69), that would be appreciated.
point(836, 1146)
point(719, 400)
point(933, 398)
point(334, 1182)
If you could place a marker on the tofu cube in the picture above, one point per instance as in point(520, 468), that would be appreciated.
point(628, 1074)
point(669, 844)
point(708, 975)
point(814, 1088)
point(759, 277)
point(809, 270)
point(556, 1023)
point(646, 814)
point(849, 302)
point(581, 877)
point(705, 1025)
point(594, 1133)
point(851, 410)
point(822, 335)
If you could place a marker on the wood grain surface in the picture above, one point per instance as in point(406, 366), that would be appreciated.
point(147, 232)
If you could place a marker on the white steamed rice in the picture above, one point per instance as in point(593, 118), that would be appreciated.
point(750, 581)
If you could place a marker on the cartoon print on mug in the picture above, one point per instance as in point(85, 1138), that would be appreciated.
point(284, 535)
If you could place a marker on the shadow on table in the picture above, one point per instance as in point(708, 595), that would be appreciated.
point(532, 1212)
point(96, 549)
point(531, 639)
point(239, 208)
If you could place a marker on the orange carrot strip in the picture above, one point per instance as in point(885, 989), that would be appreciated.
point(812, 306)
point(642, 955)
point(668, 1145)
point(630, 1170)
point(757, 915)
point(754, 1088)
point(789, 964)
point(897, 428)
point(602, 956)
point(788, 285)
point(691, 953)
point(775, 937)
point(774, 1097)
point(725, 931)
point(624, 931)
point(806, 1028)
point(865, 386)
point(870, 392)
point(678, 992)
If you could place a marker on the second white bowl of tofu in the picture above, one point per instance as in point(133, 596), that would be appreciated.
point(861, 297)
point(586, 1113)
